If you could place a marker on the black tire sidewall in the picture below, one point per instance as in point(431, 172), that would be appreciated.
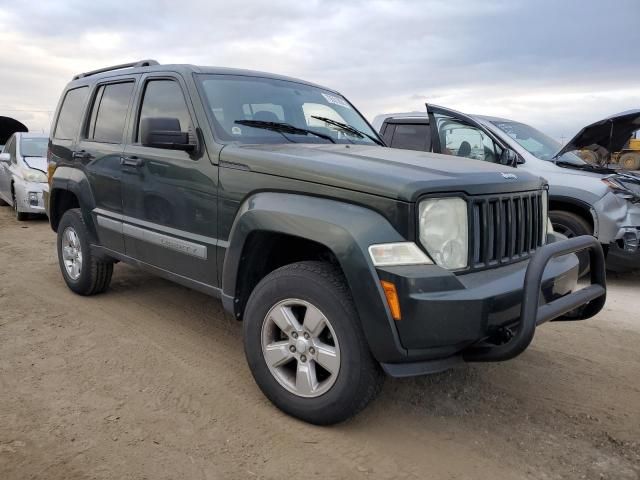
point(570, 220)
point(20, 216)
point(579, 227)
point(72, 218)
point(335, 404)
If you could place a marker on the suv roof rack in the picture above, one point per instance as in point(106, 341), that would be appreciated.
point(141, 63)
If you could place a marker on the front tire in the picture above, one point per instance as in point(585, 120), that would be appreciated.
point(572, 225)
point(305, 347)
point(20, 216)
point(82, 271)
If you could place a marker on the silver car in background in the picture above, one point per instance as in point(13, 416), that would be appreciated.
point(23, 180)
point(584, 199)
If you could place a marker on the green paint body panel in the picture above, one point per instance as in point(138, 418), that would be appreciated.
point(344, 197)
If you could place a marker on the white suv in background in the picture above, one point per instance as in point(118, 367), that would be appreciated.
point(23, 178)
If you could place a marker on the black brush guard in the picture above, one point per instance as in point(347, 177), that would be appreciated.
point(590, 298)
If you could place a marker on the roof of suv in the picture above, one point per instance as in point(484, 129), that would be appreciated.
point(144, 66)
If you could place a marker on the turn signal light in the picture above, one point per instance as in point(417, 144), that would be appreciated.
point(392, 299)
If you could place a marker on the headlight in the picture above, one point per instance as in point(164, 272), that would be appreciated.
point(444, 231)
point(624, 185)
point(36, 176)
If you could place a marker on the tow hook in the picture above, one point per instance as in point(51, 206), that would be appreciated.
point(501, 336)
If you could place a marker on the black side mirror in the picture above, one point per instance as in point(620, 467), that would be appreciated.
point(160, 132)
point(510, 158)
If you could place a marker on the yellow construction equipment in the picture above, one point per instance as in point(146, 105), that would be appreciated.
point(628, 158)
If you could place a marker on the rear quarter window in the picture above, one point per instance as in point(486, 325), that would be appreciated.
point(70, 114)
point(411, 137)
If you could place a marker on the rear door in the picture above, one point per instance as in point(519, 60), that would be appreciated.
point(170, 196)
point(99, 152)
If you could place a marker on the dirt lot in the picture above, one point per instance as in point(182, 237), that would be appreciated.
point(149, 381)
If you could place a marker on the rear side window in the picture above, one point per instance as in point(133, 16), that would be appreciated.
point(70, 114)
point(109, 112)
point(387, 133)
point(412, 137)
point(164, 98)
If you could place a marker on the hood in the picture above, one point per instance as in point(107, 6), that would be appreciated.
point(389, 172)
point(39, 163)
point(8, 126)
point(610, 133)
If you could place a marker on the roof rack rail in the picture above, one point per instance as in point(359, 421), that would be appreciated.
point(141, 63)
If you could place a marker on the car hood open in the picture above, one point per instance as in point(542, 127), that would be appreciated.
point(388, 172)
point(610, 133)
point(9, 126)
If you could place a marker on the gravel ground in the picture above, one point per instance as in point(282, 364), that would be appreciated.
point(149, 381)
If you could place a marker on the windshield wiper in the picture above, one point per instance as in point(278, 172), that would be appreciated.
point(282, 127)
point(587, 167)
point(349, 128)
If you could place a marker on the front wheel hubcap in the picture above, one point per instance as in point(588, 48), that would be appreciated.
point(71, 253)
point(300, 348)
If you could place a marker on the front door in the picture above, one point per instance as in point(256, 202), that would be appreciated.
point(169, 196)
point(458, 135)
point(99, 151)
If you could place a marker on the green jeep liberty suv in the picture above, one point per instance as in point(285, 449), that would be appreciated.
point(343, 258)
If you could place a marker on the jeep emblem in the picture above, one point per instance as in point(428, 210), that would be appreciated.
point(509, 176)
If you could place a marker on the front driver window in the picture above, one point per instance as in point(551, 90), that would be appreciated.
point(462, 140)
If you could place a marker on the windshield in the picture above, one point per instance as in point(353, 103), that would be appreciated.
point(248, 110)
point(535, 142)
point(33, 146)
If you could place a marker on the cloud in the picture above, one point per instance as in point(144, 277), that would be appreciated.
point(558, 65)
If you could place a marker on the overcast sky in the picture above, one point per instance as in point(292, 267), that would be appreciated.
point(557, 65)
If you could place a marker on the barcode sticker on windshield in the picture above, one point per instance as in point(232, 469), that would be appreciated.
point(336, 100)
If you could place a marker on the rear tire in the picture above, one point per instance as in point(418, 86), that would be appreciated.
point(572, 225)
point(283, 309)
point(82, 271)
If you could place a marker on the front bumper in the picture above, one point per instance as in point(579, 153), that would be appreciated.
point(489, 315)
point(30, 196)
point(624, 254)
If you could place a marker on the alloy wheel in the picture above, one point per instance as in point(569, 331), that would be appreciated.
point(71, 253)
point(300, 348)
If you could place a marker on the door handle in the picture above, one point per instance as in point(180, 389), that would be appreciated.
point(132, 161)
point(81, 155)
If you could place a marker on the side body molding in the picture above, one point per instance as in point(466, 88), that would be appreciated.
point(345, 229)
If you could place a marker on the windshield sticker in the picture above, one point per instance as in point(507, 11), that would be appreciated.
point(341, 102)
point(236, 130)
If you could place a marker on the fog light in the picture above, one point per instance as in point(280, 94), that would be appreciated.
point(33, 199)
point(631, 241)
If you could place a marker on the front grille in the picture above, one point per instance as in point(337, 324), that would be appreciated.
point(506, 228)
